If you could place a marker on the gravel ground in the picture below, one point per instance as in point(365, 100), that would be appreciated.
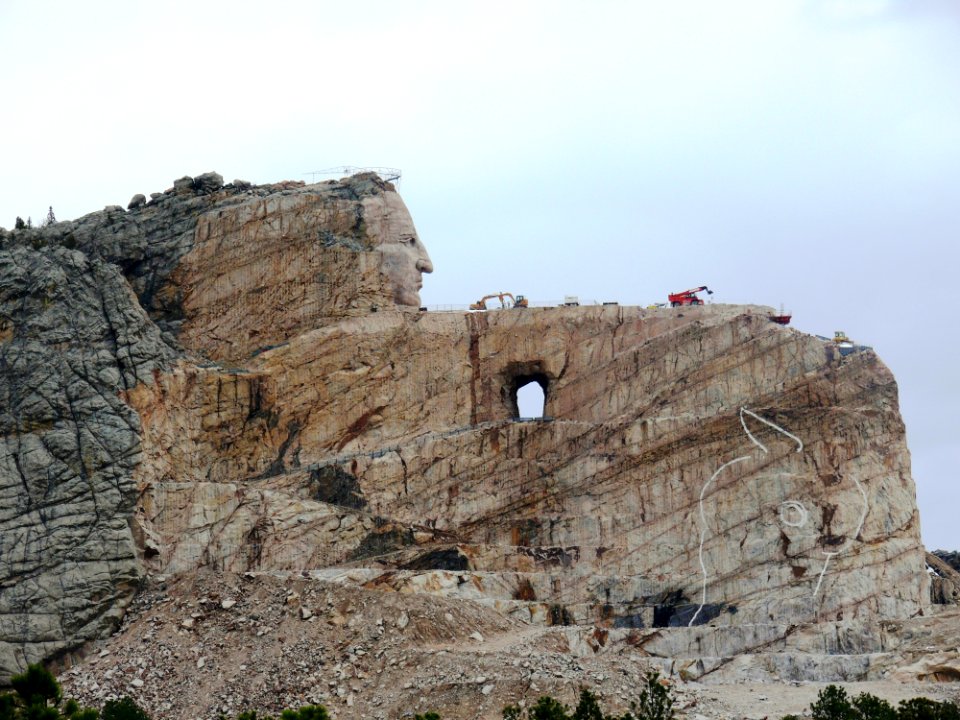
point(220, 644)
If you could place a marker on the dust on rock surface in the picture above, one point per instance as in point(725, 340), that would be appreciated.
point(217, 644)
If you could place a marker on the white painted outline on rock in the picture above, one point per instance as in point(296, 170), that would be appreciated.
point(832, 555)
point(793, 503)
point(776, 427)
point(703, 532)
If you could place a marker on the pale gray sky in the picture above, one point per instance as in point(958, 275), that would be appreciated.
point(796, 151)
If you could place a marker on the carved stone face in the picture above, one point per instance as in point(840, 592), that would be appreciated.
point(404, 258)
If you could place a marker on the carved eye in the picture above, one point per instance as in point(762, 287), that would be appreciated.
point(411, 241)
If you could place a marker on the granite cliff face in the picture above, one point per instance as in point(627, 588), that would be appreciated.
point(698, 466)
point(238, 378)
point(94, 308)
point(75, 338)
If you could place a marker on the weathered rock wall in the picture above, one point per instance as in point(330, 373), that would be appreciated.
point(944, 578)
point(68, 446)
point(102, 305)
point(647, 453)
point(238, 378)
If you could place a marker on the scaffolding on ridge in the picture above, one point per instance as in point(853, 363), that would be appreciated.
point(385, 173)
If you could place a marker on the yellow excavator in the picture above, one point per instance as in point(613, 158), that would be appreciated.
point(507, 300)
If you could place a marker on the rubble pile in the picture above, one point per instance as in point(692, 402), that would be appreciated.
point(217, 644)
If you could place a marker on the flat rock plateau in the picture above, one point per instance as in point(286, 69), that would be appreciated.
point(241, 468)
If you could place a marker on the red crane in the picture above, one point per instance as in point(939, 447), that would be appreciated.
point(688, 297)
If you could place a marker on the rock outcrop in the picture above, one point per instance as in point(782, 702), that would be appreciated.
point(213, 643)
point(944, 578)
point(950, 557)
point(697, 466)
point(75, 338)
point(94, 308)
point(238, 378)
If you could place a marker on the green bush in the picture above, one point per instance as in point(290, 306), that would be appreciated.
point(37, 696)
point(655, 703)
point(833, 704)
point(8, 706)
point(307, 712)
point(40, 712)
point(510, 712)
point(925, 709)
point(123, 709)
point(870, 707)
point(546, 708)
point(36, 686)
point(588, 708)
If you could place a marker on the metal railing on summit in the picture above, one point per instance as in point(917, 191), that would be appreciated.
point(385, 173)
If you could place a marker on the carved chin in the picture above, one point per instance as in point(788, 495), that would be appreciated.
point(406, 296)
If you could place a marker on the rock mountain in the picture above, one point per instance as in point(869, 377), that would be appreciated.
point(239, 379)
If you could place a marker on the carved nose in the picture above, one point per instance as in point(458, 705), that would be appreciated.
point(424, 265)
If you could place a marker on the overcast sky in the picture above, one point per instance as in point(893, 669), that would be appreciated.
point(796, 151)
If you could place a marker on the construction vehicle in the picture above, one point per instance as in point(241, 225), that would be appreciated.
point(507, 300)
point(688, 297)
point(783, 318)
point(844, 344)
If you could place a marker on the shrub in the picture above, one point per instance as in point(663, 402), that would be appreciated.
point(925, 709)
point(8, 704)
point(870, 707)
point(123, 709)
point(36, 686)
point(72, 711)
point(40, 712)
point(510, 712)
point(588, 708)
point(656, 701)
point(308, 712)
point(546, 708)
point(37, 696)
point(832, 704)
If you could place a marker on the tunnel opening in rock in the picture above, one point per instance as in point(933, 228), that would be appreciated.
point(529, 396)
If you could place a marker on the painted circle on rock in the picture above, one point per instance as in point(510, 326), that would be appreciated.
point(793, 513)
